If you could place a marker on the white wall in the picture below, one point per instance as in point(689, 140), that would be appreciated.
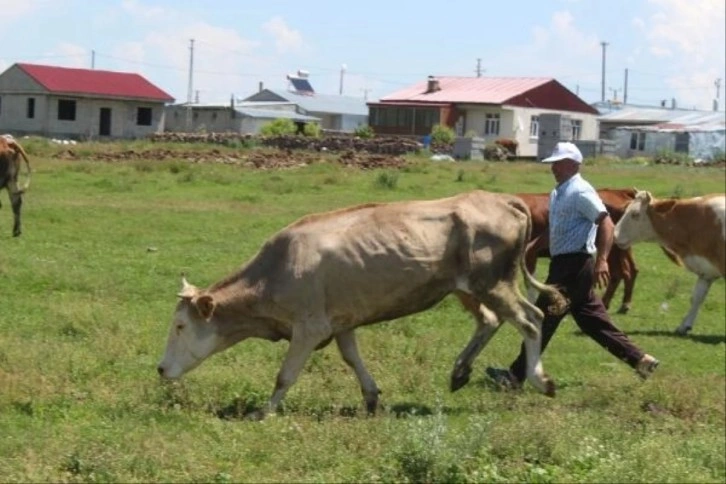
point(514, 123)
point(14, 117)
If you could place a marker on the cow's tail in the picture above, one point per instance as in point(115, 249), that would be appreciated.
point(19, 150)
point(558, 303)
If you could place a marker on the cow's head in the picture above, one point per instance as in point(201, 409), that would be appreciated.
point(193, 336)
point(635, 225)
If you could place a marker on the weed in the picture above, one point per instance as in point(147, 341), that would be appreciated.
point(387, 180)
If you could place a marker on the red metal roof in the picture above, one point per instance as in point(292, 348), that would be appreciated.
point(65, 80)
point(479, 90)
point(535, 92)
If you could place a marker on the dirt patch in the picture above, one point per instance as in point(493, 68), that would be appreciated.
point(261, 159)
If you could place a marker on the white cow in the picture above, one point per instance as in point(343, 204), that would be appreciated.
point(326, 274)
point(694, 229)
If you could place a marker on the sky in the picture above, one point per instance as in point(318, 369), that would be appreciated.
point(671, 49)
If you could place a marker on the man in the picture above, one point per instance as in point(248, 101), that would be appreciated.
point(580, 227)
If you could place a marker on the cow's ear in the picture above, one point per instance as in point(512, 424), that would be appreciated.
point(205, 306)
point(648, 198)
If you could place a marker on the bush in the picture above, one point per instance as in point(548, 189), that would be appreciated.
point(312, 130)
point(278, 127)
point(364, 132)
point(668, 157)
point(441, 134)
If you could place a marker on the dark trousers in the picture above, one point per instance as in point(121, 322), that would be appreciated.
point(574, 274)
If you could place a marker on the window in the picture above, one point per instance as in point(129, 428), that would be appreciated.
point(681, 143)
point(31, 107)
point(637, 141)
point(534, 127)
point(143, 116)
point(491, 125)
point(576, 129)
point(66, 110)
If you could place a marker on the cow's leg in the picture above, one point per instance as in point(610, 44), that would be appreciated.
point(305, 338)
point(16, 200)
point(630, 273)
point(487, 325)
point(348, 347)
point(510, 305)
point(699, 294)
point(526, 320)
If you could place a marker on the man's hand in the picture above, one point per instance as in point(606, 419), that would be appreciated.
point(602, 273)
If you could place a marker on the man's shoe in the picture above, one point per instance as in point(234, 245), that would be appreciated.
point(504, 378)
point(646, 366)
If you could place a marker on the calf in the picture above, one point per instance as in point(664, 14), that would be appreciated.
point(693, 229)
point(10, 152)
point(327, 274)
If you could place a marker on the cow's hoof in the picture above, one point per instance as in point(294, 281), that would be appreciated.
point(371, 407)
point(682, 331)
point(623, 310)
point(550, 388)
point(256, 415)
point(460, 377)
point(16, 234)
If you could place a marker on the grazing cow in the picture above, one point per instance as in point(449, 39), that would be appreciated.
point(693, 229)
point(10, 151)
point(326, 274)
point(621, 262)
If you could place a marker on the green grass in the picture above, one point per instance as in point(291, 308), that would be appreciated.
point(89, 288)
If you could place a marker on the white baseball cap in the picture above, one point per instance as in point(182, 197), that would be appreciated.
point(564, 150)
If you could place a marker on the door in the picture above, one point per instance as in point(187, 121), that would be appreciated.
point(104, 124)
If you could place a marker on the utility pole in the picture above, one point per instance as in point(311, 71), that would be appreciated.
point(478, 67)
point(365, 93)
point(604, 46)
point(717, 83)
point(189, 87)
point(625, 88)
point(93, 59)
point(342, 74)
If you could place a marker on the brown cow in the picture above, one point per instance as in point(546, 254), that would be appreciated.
point(10, 153)
point(694, 229)
point(327, 274)
point(621, 262)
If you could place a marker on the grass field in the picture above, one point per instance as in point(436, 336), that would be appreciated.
point(88, 291)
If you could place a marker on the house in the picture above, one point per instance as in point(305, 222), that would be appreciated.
point(336, 112)
point(647, 131)
point(221, 118)
point(485, 107)
point(79, 103)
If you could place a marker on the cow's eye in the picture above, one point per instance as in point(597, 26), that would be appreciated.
point(636, 216)
point(179, 328)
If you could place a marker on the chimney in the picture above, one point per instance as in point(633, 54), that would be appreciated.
point(261, 87)
point(673, 103)
point(432, 85)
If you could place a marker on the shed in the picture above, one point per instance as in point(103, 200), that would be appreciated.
point(220, 118)
point(79, 103)
point(646, 131)
point(336, 113)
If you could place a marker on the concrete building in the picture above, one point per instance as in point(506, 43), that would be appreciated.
point(79, 103)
